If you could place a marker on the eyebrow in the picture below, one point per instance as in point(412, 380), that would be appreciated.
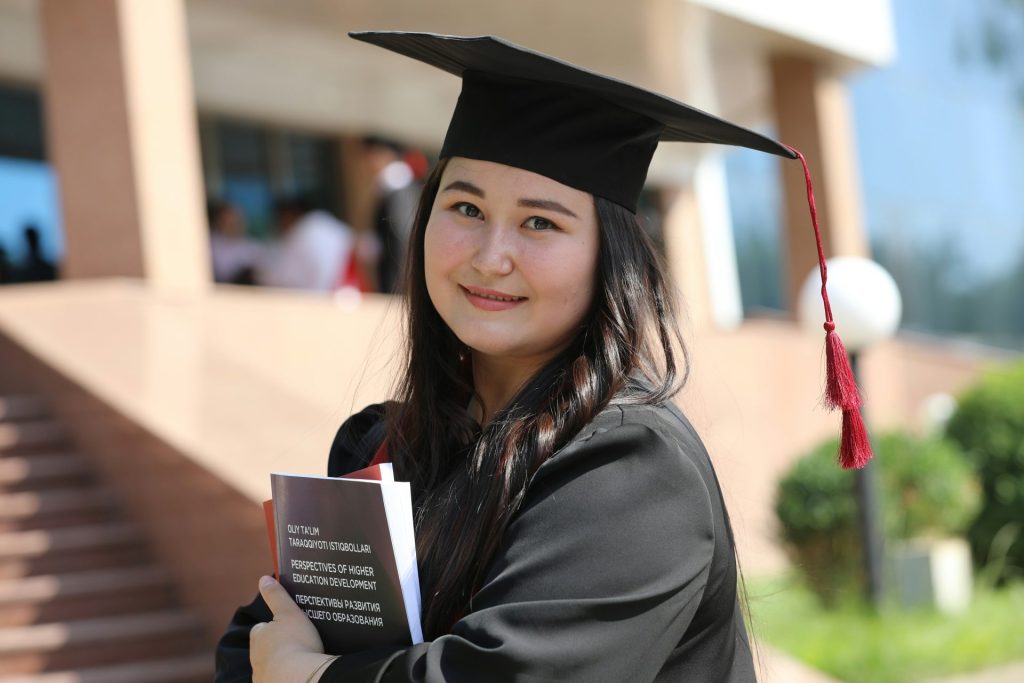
point(465, 187)
point(548, 204)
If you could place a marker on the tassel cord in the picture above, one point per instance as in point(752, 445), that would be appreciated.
point(822, 267)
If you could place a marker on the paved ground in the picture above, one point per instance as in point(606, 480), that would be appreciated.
point(778, 667)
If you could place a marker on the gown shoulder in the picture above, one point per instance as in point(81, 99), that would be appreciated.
point(357, 439)
point(616, 567)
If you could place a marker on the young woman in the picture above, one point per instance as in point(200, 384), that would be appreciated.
point(569, 523)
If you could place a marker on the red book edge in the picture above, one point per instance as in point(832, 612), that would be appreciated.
point(372, 472)
point(268, 513)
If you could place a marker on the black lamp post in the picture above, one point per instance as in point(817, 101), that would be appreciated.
point(866, 307)
point(869, 513)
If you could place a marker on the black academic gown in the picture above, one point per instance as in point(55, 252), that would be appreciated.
point(618, 567)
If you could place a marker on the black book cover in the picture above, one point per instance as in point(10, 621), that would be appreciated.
point(346, 554)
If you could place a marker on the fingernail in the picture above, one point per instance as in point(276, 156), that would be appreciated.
point(266, 581)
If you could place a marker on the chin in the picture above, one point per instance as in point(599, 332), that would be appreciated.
point(509, 347)
point(491, 345)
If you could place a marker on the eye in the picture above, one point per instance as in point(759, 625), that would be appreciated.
point(539, 224)
point(467, 209)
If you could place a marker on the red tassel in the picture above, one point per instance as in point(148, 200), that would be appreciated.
point(854, 447)
point(840, 386)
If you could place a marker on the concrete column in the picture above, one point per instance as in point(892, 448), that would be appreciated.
point(813, 114)
point(684, 251)
point(121, 125)
point(698, 225)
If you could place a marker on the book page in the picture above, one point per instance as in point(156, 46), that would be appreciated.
point(398, 505)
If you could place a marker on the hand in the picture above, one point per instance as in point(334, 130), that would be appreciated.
point(287, 649)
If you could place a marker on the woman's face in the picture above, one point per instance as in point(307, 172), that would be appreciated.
point(510, 259)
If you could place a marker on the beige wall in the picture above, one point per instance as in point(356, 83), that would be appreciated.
point(89, 144)
point(121, 129)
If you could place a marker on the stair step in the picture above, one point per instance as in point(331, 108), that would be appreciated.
point(61, 635)
point(80, 600)
point(33, 503)
point(69, 549)
point(56, 507)
point(190, 669)
point(22, 407)
point(43, 472)
point(34, 543)
point(65, 597)
point(98, 642)
point(52, 586)
point(32, 435)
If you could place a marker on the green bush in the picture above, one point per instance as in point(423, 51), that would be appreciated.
point(931, 488)
point(927, 489)
point(989, 426)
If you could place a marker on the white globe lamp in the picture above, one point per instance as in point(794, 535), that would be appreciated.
point(866, 304)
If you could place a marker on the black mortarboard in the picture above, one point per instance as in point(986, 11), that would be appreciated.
point(524, 109)
point(597, 134)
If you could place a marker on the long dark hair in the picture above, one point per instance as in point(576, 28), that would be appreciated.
point(467, 483)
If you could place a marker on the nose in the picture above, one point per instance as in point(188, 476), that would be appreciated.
point(494, 252)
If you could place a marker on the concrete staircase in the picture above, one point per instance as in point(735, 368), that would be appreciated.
point(81, 600)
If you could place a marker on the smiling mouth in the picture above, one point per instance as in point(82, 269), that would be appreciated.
point(492, 297)
point(497, 298)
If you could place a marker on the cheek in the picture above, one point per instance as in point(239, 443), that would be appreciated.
point(446, 247)
point(569, 280)
point(581, 294)
point(438, 247)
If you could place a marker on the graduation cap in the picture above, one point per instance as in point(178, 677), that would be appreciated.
point(597, 134)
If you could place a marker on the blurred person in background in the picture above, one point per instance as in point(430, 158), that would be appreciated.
point(6, 274)
point(234, 256)
point(313, 249)
point(398, 189)
point(36, 267)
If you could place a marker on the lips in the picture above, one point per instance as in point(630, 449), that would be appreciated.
point(491, 299)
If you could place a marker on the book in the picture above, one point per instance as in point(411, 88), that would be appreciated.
point(344, 549)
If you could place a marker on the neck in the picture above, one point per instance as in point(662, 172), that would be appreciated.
point(496, 380)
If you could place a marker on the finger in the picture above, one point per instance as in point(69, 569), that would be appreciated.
point(276, 597)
